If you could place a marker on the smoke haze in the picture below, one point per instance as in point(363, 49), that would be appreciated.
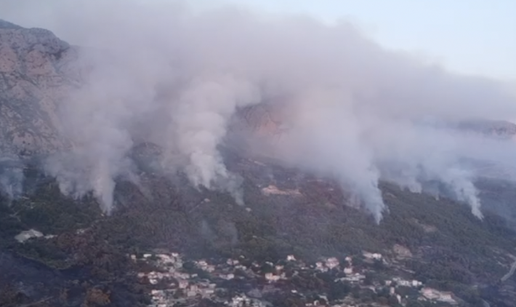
point(354, 111)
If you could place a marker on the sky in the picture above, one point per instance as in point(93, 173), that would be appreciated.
point(467, 36)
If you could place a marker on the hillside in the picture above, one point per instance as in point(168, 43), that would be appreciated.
point(435, 242)
point(298, 239)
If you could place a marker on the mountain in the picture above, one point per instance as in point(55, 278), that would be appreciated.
point(36, 71)
point(298, 239)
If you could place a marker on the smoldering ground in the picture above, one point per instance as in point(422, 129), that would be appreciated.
point(175, 77)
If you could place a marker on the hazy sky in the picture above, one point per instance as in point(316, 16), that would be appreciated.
point(469, 36)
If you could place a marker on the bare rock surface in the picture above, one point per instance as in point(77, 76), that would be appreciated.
point(36, 70)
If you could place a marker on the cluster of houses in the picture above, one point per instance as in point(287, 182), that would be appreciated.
point(174, 284)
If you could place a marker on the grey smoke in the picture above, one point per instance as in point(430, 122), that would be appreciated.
point(11, 177)
point(176, 77)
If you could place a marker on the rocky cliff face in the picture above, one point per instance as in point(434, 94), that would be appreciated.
point(36, 70)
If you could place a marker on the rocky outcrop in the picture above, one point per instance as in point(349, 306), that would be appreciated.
point(36, 69)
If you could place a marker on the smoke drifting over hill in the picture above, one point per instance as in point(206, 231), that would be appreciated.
point(352, 110)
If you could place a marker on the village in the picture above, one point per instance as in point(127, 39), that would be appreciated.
point(238, 282)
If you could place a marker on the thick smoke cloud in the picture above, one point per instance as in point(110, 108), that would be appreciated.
point(352, 110)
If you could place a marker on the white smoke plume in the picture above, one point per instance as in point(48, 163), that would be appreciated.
point(176, 76)
point(199, 123)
